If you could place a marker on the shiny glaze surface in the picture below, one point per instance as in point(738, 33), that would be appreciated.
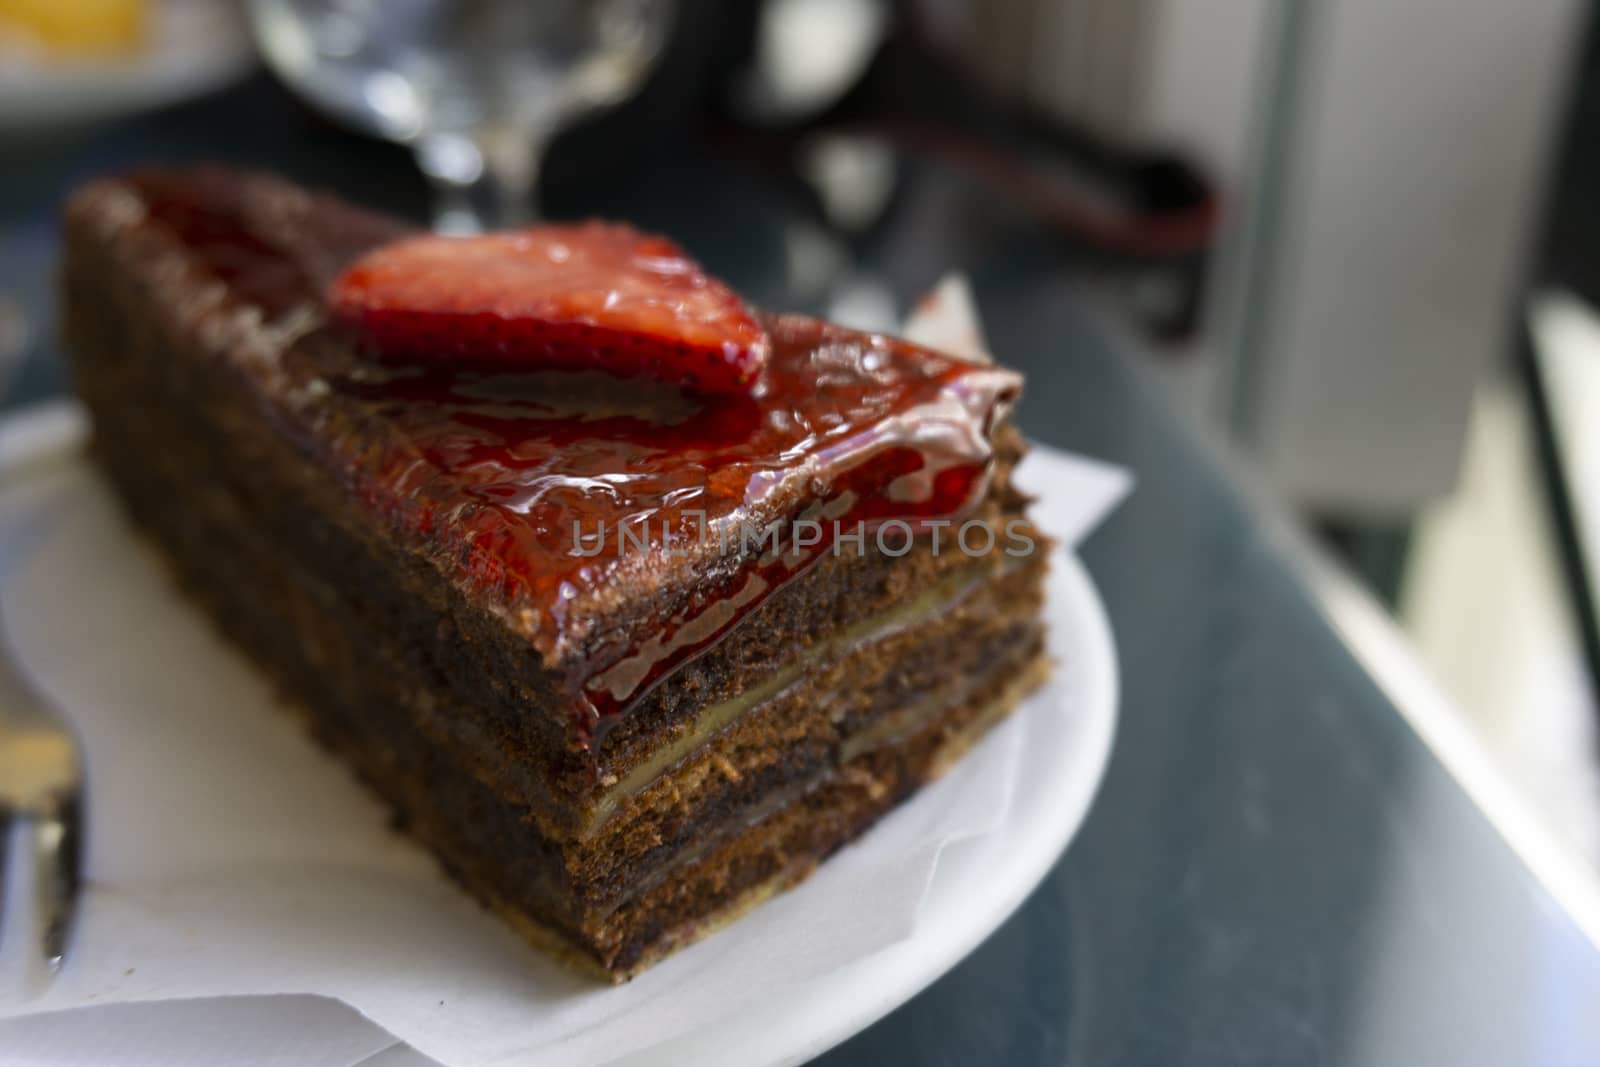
point(525, 481)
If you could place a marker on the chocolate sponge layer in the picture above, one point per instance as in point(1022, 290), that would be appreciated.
point(837, 698)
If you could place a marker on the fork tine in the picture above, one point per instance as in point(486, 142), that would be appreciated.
point(58, 850)
point(7, 818)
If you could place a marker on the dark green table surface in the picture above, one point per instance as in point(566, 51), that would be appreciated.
point(1277, 871)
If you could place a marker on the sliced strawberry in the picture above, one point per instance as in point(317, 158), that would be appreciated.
point(574, 297)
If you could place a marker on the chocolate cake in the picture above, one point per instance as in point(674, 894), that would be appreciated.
point(628, 658)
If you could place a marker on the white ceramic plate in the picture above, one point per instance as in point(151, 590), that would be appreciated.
point(195, 46)
point(1067, 728)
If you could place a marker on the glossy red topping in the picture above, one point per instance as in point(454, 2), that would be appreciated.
point(507, 477)
point(540, 474)
point(593, 296)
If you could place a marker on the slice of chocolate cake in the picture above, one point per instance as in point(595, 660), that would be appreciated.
point(628, 657)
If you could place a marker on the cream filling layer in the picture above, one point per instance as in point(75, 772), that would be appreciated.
point(713, 718)
point(898, 728)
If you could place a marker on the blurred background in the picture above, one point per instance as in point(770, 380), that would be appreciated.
point(1353, 244)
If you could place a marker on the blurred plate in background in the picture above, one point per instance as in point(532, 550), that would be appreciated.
point(191, 47)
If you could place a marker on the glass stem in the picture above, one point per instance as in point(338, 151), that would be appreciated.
point(483, 179)
point(511, 159)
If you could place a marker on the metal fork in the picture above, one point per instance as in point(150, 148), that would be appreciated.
point(41, 782)
point(41, 768)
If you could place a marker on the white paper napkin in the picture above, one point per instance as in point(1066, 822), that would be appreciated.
point(230, 856)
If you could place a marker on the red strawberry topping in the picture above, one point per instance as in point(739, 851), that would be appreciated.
point(578, 297)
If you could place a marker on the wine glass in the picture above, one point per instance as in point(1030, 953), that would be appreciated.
point(477, 88)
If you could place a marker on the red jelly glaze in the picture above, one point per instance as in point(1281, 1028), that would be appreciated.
point(512, 474)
